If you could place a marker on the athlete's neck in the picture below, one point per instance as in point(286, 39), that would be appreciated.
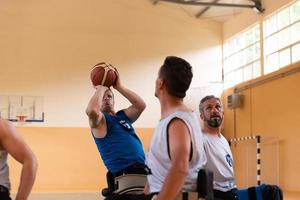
point(212, 131)
point(170, 105)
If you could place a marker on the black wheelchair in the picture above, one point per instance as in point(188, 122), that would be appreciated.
point(128, 181)
point(132, 182)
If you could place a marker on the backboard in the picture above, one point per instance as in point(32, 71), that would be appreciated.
point(29, 108)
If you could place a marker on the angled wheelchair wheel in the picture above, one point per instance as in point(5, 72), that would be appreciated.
point(132, 190)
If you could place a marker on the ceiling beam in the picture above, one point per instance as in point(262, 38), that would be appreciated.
point(155, 2)
point(200, 13)
point(257, 4)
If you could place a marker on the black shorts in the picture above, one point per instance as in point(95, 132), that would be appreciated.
point(229, 195)
point(4, 193)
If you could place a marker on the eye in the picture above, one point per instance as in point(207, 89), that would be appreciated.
point(208, 108)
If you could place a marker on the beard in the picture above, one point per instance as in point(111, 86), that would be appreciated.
point(215, 122)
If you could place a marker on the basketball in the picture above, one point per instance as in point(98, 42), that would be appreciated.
point(103, 74)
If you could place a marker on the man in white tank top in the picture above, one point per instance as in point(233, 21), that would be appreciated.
point(176, 151)
point(218, 153)
point(219, 157)
point(11, 143)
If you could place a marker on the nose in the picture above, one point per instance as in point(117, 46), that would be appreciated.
point(214, 110)
point(106, 97)
point(106, 100)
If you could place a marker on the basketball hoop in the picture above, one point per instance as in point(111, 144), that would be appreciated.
point(21, 119)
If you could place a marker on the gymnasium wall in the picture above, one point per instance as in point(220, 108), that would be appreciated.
point(47, 48)
point(270, 110)
point(68, 159)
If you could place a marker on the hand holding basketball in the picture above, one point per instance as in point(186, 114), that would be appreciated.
point(103, 74)
point(117, 83)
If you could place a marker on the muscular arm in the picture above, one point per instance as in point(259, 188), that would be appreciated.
point(96, 118)
point(12, 142)
point(180, 144)
point(137, 103)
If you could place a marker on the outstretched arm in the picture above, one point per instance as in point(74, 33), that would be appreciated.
point(137, 103)
point(180, 144)
point(96, 118)
point(13, 143)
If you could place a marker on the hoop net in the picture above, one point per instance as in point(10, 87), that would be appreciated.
point(21, 119)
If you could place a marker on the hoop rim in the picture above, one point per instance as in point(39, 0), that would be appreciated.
point(21, 118)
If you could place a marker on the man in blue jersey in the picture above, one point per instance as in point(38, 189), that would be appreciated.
point(119, 147)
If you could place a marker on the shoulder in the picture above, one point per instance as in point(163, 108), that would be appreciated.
point(122, 115)
point(5, 126)
point(183, 114)
point(205, 135)
point(224, 140)
point(179, 122)
point(175, 121)
point(209, 139)
point(187, 117)
point(222, 137)
point(206, 138)
point(7, 131)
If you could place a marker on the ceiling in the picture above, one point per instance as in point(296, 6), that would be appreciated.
point(218, 10)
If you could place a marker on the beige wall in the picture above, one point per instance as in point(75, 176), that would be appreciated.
point(48, 48)
point(272, 111)
point(68, 159)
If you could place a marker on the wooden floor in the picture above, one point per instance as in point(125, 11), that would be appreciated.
point(64, 196)
point(291, 195)
point(96, 196)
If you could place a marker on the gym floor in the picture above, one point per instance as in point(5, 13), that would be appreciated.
point(65, 196)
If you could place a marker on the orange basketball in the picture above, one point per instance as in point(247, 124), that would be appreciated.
point(103, 74)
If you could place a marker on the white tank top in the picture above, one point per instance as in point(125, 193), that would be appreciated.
point(219, 161)
point(4, 171)
point(158, 159)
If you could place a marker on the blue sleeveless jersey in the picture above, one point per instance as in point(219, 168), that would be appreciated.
point(120, 147)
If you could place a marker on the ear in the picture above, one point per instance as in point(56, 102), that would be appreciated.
point(201, 116)
point(160, 83)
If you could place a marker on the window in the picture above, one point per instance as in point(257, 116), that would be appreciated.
point(242, 57)
point(282, 38)
point(281, 44)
